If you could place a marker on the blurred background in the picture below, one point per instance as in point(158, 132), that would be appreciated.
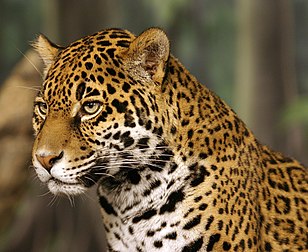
point(253, 54)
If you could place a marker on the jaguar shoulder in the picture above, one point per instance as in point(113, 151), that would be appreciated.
point(176, 169)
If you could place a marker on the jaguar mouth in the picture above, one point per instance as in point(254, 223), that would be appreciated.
point(59, 187)
point(59, 182)
point(89, 177)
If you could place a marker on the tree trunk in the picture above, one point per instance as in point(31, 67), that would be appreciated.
point(265, 70)
point(16, 99)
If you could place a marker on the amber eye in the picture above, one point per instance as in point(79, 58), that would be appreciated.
point(42, 109)
point(91, 107)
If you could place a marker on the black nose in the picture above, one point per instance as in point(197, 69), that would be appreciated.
point(47, 161)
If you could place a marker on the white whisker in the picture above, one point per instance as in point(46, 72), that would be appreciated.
point(53, 200)
point(112, 151)
point(32, 64)
point(30, 88)
point(89, 178)
point(71, 199)
point(44, 194)
point(105, 174)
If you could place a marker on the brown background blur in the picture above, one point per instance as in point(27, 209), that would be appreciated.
point(253, 54)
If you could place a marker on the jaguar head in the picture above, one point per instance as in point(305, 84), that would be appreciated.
point(94, 116)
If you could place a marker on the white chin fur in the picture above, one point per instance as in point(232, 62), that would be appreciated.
point(43, 175)
point(57, 187)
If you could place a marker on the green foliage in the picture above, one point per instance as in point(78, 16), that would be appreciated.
point(165, 10)
point(296, 112)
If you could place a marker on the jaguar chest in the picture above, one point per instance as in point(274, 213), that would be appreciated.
point(148, 215)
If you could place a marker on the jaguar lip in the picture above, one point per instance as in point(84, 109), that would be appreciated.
point(59, 187)
point(60, 182)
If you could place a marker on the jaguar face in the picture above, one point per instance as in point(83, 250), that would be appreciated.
point(91, 117)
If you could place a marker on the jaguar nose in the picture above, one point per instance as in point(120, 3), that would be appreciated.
point(47, 161)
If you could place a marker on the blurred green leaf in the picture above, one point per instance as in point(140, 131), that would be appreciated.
point(296, 112)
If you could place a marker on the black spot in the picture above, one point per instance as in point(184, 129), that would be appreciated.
point(158, 131)
point(193, 167)
point(158, 244)
point(100, 79)
point(111, 89)
point(197, 199)
point(199, 176)
point(148, 125)
point(172, 168)
point(116, 136)
point(111, 71)
point(242, 244)
point(193, 246)
point(104, 56)
point(202, 155)
point(129, 120)
point(150, 233)
point(145, 216)
point(104, 43)
point(173, 130)
point(123, 43)
point(268, 247)
point(117, 236)
point(203, 206)
point(209, 222)
point(131, 230)
point(214, 167)
point(126, 87)
point(110, 52)
point(107, 206)
point(83, 74)
point(98, 60)
point(190, 134)
point(192, 223)
point(171, 183)
point(80, 91)
point(94, 92)
point(127, 139)
point(172, 200)
point(185, 122)
point(89, 65)
point(171, 236)
point(143, 143)
point(109, 110)
point(107, 136)
point(213, 239)
point(121, 75)
point(226, 246)
point(134, 177)
point(120, 106)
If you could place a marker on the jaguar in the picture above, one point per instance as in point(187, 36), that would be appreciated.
point(175, 167)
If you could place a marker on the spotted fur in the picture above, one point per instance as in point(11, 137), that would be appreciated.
point(176, 169)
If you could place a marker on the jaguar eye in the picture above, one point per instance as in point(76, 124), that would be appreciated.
point(42, 109)
point(91, 107)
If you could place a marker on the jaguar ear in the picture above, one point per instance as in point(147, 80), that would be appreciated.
point(148, 54)
point(46, 49)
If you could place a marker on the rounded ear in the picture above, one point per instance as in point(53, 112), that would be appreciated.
point(149, 54)
point(47, 50)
